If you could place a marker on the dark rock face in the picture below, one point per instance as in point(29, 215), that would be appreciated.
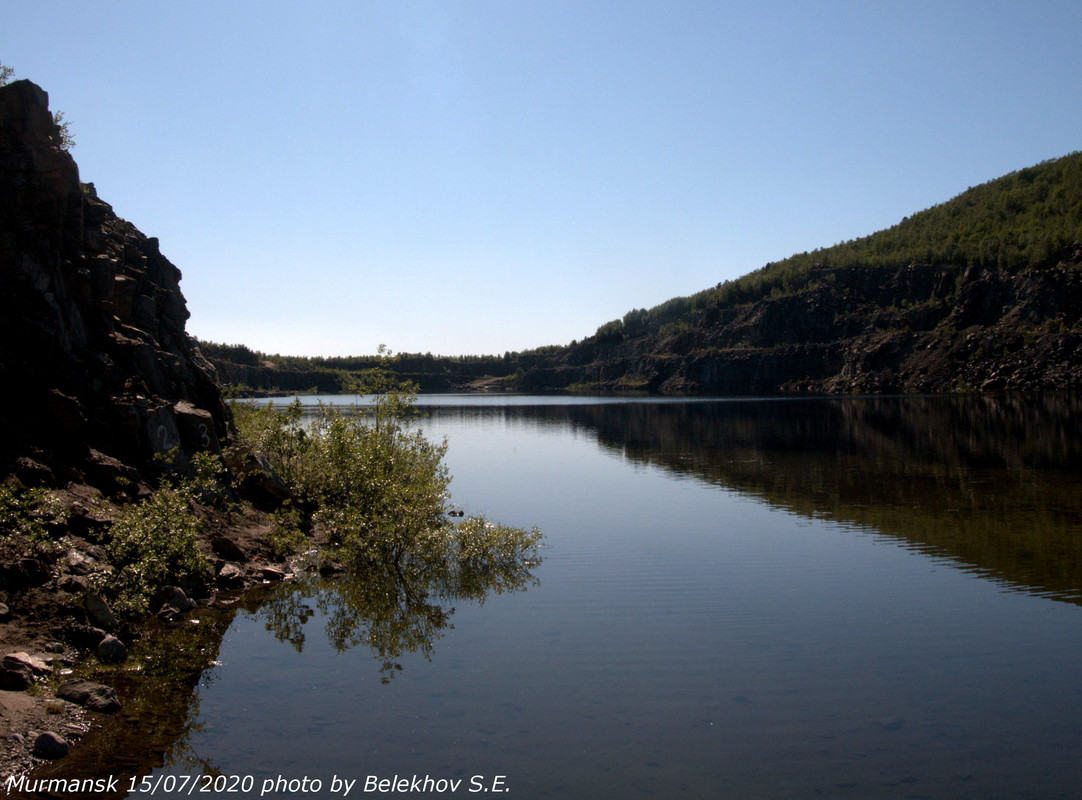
point(921, 328)
point(98, 373)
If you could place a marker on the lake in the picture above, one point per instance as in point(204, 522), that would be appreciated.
point(798, 598)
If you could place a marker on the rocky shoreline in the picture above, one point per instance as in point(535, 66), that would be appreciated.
point(62, 641)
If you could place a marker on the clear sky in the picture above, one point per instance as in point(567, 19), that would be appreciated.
point(476, 177)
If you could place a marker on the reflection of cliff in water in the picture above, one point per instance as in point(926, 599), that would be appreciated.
point(992, 483)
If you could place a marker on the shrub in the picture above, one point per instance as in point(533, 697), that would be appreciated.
point(286, 537)
point(154, 544)
point(376, 490)
point(27, 520)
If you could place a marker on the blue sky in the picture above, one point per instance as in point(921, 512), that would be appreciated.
point(476, 177)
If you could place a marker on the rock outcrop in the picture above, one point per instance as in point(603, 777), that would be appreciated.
point(922, 328)
point(97, 370)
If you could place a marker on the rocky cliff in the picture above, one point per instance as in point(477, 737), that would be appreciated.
point(922, 328)
point(978, 293)
point(98, 373)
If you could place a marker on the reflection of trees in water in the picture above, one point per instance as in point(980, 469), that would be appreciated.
point(395, 610)
point(392, 610)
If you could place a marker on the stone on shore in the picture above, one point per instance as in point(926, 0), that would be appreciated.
point(94, 696)
point(100, 613)
point(50, 745)
point(112, 650)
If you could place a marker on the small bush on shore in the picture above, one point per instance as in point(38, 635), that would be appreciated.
point(27, 517)
point(376, 490)
point(154, 544)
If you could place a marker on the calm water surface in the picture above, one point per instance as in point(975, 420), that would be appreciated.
point(756, 599)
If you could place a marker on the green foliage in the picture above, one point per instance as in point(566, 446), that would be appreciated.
point(376, 487)
point(236, 353)
point(611, 332)
point(65, 138)
point(277, 434)
point(5, 74)
point(205, 481)
point(286, 537)
point(393, 397)
point(376, 490)
point(154, 544)
point(27, 518)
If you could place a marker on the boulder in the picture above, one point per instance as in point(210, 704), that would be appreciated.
point(231, 577)
point(100, 613)
point(86, 637)
point(196, 426)
point(111, 650)
point(273, 574)
point(50, 745)
point(26, 662)
point(94, 696)
point(256, 479)
point(15, 680)
point(108, 473)
point(72, 584)
point(228, 549)
point(172, 597)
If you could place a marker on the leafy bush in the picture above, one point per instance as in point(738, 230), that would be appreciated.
point(286, 537)
point(154, 544)
point(373, 486)
point(376, 490)
point(26, 516)
point(378, 487)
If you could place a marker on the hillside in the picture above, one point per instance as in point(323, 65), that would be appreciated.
point(980, 293)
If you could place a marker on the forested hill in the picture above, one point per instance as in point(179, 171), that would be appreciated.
point(982, 292)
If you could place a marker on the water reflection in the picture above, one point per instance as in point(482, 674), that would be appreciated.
point(697, 659)
point(160, 713)
point(991, 483)
point(390, 609)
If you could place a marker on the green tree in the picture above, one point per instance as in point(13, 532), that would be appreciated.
point(65, 138)
point(392, 397)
